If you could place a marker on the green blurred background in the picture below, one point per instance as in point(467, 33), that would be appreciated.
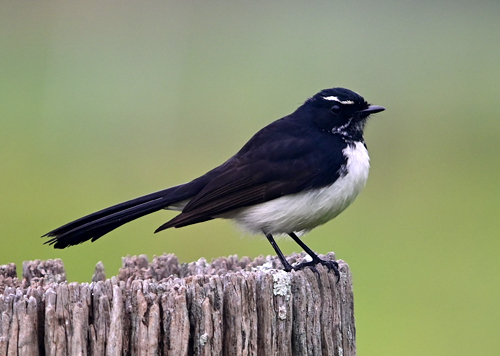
point(105, 101)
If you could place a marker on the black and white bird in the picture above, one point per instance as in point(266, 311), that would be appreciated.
point(293, 175)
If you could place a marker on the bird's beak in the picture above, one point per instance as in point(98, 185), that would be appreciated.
point(372, 109)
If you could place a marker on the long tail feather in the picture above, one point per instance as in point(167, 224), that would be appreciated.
point(97, 224)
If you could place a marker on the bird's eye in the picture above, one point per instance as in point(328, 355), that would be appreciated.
point(336, 109)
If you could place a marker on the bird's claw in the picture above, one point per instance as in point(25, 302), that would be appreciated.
point(331, 265)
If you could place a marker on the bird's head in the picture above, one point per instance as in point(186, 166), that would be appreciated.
point(340, 111)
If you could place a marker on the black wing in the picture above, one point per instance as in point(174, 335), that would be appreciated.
point(271, 165)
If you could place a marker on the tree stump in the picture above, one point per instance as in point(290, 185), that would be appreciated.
point(230, 306)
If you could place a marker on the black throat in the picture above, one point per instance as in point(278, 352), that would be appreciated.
point(351, 132)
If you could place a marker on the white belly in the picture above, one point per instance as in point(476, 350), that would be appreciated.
point(304, 211)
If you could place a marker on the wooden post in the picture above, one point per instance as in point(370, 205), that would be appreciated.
point(230, 306)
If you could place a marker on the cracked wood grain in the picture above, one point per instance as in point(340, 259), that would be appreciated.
point(230, 306)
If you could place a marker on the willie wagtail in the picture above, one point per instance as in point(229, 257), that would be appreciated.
point(293, 175)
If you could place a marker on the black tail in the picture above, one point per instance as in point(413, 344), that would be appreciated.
point(95, 225)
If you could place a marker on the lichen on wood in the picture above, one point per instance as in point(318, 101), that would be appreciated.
point(229, 306)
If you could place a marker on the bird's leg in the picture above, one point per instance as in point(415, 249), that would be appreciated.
point(286, 265)
point(331, 265)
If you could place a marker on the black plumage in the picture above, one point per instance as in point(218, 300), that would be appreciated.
point(298, 153)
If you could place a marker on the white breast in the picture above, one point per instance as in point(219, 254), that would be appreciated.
point(304, 211)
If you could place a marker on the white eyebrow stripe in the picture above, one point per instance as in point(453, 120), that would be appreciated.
point(334, 98)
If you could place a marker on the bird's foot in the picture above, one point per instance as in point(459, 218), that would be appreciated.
point(331, 265)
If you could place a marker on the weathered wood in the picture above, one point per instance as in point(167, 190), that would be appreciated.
point(8, 277)
point(50, 271)
point(230, 306)
point(99, 273)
